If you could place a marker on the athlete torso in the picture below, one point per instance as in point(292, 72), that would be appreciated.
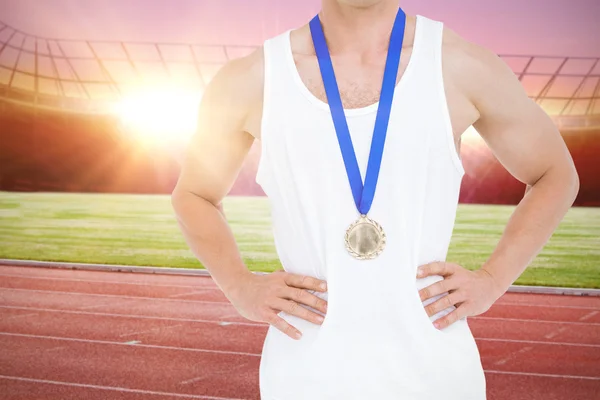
point(376, 340)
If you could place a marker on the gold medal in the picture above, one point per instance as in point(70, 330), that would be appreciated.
point(365, 238)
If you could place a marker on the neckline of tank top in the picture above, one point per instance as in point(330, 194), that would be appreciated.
point(349, 112)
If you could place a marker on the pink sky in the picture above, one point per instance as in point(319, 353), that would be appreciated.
point(540, 27)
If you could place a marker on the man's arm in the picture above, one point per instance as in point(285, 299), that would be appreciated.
point(530, 147)
point(213, 160)
point(228, 111)
point(528, 144)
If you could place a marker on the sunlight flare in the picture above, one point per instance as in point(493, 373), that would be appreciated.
point(159, 115)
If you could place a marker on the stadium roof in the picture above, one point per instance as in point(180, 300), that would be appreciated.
point(89, 75)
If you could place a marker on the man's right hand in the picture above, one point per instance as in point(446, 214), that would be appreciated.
point(261, 297)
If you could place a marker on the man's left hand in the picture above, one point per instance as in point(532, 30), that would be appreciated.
point(472, 292)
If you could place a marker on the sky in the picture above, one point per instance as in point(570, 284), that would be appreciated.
point(520, 27)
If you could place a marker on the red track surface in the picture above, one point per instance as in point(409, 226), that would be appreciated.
point(68, 334)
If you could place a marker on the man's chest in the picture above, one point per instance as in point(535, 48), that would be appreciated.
point(359, 82)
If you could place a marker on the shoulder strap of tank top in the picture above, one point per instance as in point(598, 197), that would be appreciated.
point(430, 39)
point(276, 49)
point(275, 68)
point(426, 38)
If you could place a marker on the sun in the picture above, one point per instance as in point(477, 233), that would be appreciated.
point(159, 115)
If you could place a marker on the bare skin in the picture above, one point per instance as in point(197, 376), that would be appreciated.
point(481, 91)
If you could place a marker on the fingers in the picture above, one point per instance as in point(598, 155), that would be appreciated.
point(435, 268)
point(451, 318)
point(283, 326)
point(304, 297)
point(293, 308)
point(436, 288)
point(443, 303)
point(305, 282)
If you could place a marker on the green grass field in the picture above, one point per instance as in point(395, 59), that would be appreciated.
point(141, 230)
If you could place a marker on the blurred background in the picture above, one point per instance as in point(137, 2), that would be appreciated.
point(101, 97)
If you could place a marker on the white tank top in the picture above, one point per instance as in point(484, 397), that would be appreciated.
point(377, 341)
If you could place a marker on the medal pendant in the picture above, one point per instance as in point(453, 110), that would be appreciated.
point(365, 238)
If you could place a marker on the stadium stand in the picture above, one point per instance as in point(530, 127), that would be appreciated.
point(59, 130)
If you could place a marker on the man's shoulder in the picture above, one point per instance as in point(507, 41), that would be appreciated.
point(461, 51)
point(471, 66)
point(240, 80)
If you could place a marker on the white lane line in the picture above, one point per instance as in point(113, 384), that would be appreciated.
point(225, 302)
point(222, 398)
point(228, 304)
point(502, 303)
point(220, 321)
point(491, 371)
point(588, 315)
point(99, 281)
point(116, 388)
point(537, 321)
point(539, 342)
point(152, 346)
point(207, 321)
point(227, 323)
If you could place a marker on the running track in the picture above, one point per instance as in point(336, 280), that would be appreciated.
point(76, 334)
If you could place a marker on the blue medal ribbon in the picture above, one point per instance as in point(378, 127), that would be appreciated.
point(363, 195)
